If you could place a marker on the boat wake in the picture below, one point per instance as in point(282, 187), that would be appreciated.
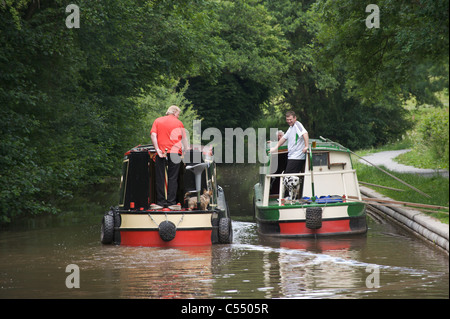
point(247, 239)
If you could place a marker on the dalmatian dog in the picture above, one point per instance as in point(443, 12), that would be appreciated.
point(292, 183)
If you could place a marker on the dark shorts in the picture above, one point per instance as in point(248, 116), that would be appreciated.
point(295, 166)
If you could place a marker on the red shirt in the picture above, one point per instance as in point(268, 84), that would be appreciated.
point(169, 131)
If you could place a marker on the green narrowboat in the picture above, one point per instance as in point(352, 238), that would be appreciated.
point(322, 206)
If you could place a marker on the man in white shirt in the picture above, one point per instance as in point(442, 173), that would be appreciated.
point(298, 141)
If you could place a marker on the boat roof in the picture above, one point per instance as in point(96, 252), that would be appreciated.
point(206, 151)
point(150, 148)
point(141, 148)
point(328, 145)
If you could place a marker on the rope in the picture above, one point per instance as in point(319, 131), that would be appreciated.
point(152, 219)
point(179, 222)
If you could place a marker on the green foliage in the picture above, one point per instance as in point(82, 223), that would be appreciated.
point(254, 46)
point(320, 95)
point(21, 178)
point(254, 57)
point(68, 95)
point(73, 100)
point(268, 122)
point(434, 131)
point(383, 62)
point(37, 76)
point(437, 187)
point(155, 102)
point(431, 138)
point(430, 131)
point(359, 126)
point(231, 102)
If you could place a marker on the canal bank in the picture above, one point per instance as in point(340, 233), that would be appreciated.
point(419, 223)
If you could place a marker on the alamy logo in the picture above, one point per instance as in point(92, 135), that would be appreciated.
point(73, 280)
point(234, 142)
point(73, 19)
point(373, 19)
point(373, 280)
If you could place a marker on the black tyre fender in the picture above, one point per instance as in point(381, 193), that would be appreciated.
point(167, 230)
point(225, 231)
point(107, 230)
point(314, 217)
point(117, 223)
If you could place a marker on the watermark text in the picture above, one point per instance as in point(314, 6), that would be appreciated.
point(73, 19)
point(73, 280)
point(373, 280)
point(373, 19)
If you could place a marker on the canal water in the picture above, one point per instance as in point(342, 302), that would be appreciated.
point(387, 262)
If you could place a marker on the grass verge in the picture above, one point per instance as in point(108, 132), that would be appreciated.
point(437, 187)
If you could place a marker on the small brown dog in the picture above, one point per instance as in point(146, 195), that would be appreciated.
point(205, 198)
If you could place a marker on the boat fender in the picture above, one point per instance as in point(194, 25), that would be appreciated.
point(225, 231)
point(314, 217)
point(167, 230)
point(117, 223)
point(107, 230)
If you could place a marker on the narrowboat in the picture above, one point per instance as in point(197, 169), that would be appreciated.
point(201, 216)
point(310, 204)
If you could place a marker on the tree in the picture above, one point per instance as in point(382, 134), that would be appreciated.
point(328, 83)
point(155, 102)
point(390, 60)
point(68, 96)
point(230, 102)
point(254, 56)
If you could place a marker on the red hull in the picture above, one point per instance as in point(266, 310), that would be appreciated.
point(328, 227)
point(150, 238)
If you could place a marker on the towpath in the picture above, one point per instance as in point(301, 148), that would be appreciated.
point(386, 159)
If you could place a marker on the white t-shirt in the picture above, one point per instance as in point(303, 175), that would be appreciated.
point(296, 142)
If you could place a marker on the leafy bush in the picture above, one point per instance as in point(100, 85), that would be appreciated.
point(22, 180)
point(434, 134)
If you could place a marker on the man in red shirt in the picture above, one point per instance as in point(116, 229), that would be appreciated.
point(169, 139)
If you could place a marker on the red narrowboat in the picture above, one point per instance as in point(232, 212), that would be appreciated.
point(201, 216)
